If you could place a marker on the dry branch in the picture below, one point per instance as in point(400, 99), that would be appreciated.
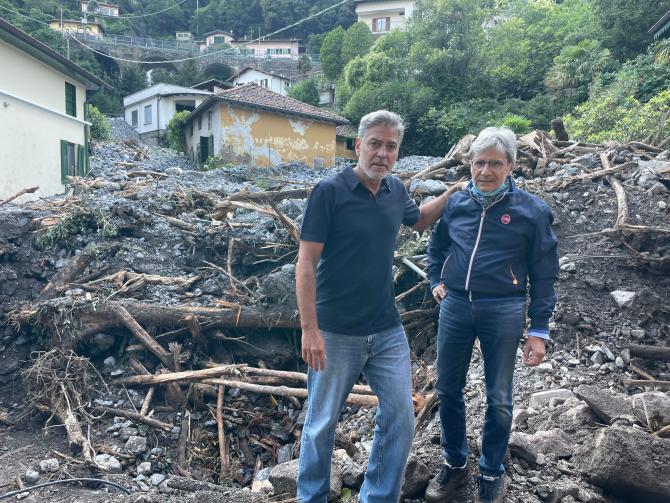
point(19, 194)
point(650, 352)
point(352, 399)
point(136, 416)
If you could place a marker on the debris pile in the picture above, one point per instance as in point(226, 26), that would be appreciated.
point(153, 313)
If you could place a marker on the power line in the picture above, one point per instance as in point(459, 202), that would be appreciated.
point(133, 16)
point(200, 56)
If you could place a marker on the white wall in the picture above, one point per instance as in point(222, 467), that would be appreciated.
point(32, 124)
point(368, 11)
point(275, 83)
point(162, 110)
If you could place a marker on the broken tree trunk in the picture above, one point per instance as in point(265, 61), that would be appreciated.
point(454, 157)
point(650, 352)
point(136, 416)
point(171, 317)
point(559, 129)
point(19, 194)
point(71, 271)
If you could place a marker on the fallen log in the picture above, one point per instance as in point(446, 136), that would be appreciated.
point(649, 384)
point(650, 352)
point(71, 271)
point(172, 317)
point(223, 441)
point(454, 157)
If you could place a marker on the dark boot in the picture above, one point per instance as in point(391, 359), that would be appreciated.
point(445, 483)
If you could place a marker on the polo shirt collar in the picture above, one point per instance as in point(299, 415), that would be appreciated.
point(352, 180)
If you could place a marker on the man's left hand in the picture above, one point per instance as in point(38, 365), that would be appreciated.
point(533, 351)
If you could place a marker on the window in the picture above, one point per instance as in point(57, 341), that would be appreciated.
point(264, 83)
point(147, 114)
point(381, 24)
point(219, 39)
point(209, 121)
point(70, 99)
point(350, 144)
point(72, 160)
point(133, 118)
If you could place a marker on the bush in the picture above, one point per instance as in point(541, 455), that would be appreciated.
point(174, 136)
point(101, 129)
point(518, 124)
point(305, 91)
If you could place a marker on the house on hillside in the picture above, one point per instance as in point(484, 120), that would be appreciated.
point(382, 16)
point(150, 109)
point(216, 37)
point(43, 128)
point(268, 80)
point(269, 48)
point(77, 27)
point(101, 9)
point(662, 27)
point(253, 125)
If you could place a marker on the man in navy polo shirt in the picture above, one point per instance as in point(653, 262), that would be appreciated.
point(350, 323)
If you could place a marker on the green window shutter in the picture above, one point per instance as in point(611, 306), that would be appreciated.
point(210, 146)
point(70, 99)
point(63, 161)
point(81, 160)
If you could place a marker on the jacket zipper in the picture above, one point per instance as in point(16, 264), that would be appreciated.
point(474, 250)
point(515, 281)
point(444, 266)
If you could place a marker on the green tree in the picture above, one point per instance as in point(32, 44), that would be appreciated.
point(625, 24)
point(175, 133)
point(356, 42)
point(304, 64)
point(306, 91)
point(132, 80)
point(330, 55)
point(577, 66)
point(101, 129)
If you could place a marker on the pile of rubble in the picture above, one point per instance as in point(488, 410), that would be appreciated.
point(152, 312)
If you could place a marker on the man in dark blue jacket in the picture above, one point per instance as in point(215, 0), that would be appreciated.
point(492, 246)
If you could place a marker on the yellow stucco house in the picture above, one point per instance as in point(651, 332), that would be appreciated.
point(253, 125)
point(74, 26)
point(43, 127)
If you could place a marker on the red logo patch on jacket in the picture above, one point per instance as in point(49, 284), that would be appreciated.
point(505, 219)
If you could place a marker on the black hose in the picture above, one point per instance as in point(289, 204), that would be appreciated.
point(63, 481)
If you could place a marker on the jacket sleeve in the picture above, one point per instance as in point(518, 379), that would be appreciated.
point(438, 248)
point(542, 273)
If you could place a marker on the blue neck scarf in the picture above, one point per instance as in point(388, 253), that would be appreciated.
point(487, 198)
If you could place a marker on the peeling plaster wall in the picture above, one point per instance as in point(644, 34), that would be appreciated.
point(265, 138)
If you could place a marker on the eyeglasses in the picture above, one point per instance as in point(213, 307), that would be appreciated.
point(494, 164)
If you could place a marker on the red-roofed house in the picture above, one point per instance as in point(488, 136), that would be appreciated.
point(253, 125)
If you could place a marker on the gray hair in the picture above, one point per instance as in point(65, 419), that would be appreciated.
point(501, 139)
point(378, 118)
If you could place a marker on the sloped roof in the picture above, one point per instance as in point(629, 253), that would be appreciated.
point(661, 26)
point(47, 55)
point(255, 96)
point(248, 68)
point(160, 89)
point(346, 131)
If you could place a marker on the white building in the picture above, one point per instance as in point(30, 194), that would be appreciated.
point(382, 16)
point(150, 109)
point(43, 128)
point(102, 9)
point(275, 83)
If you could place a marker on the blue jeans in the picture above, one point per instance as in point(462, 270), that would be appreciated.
point(498, 324)
point(384, 360)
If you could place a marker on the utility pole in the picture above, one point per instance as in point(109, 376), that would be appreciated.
point(197, 23)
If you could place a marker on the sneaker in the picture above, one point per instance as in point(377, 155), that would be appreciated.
point(492, 489)
point(446, 482)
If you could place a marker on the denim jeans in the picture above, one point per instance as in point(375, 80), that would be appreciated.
point(384, 360)
point(498, 324)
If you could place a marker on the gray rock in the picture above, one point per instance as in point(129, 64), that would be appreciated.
point(657, 189)
point(110, 463)
point(157, 479)
point(136, 445)
point(428, 186)
point(110, 361)
point(283, 478)
point(352, 472)
point(126, 432)
point(607, 405)
point(651, 407)
point(528, 447)
point(623, 298)
point(49, 465)
point(31, 476)
point(284, 454)
point(102, 342)
point(417, 477)
point(597, 358)
point(540, 399)
point(144, 468)
point(629, 463)
point(576, 417)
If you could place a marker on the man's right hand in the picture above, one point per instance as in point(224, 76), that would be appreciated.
point(439, 292)
point(314, 349)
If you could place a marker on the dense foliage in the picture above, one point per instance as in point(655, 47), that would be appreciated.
point(174, 134)
point(101, 129)
point(306, 91)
